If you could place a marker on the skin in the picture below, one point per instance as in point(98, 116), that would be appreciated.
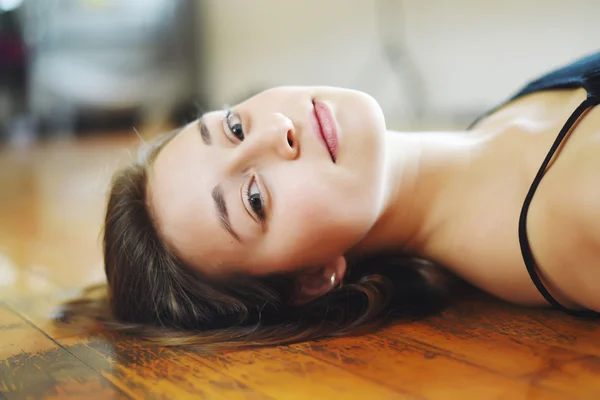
point(451, 197)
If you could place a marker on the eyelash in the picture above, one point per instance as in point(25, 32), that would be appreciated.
point(248, 195)
point(229, 130)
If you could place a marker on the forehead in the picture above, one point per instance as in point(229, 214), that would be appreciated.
point(179, 192)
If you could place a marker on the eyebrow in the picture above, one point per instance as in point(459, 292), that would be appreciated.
point(204, 132)
point(219, 199)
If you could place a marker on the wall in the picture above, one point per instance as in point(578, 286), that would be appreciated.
point(454, 58)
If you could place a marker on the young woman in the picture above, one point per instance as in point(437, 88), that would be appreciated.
point(297, 215)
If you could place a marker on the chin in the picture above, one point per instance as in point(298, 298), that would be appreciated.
point(362, 152)
point(365, 114)
point(366, 124)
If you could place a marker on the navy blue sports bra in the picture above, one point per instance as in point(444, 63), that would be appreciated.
point(583, 73)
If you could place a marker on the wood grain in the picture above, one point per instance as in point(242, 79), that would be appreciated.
point(34, 366)
point(51, 206)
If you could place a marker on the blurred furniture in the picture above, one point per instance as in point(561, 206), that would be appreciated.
point(13, 70)
point(109, 56)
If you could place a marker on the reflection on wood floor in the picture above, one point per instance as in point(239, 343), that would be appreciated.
point(51, 204)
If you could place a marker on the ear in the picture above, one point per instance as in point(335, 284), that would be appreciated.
point(319, 281)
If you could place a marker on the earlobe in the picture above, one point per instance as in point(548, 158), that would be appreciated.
point(336, 271)
point(318, 282)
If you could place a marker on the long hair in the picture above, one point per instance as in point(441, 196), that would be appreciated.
point(153, 295)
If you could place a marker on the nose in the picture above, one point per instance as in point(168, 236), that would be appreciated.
point(271, 138)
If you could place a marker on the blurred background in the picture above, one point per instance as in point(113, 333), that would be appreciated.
point(74, 66)
point(88, 67)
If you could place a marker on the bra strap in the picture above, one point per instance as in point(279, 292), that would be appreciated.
point(523, 239)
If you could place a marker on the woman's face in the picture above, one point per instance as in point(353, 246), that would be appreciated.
point(257, 190)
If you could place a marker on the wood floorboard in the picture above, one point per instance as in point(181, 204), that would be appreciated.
point(421, 370)
point(34, 366)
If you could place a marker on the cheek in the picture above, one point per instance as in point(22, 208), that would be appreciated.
point(313, 225)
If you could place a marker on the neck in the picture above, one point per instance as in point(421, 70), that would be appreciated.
point(421, 170)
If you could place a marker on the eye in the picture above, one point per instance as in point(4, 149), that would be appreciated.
point(234, 125)
point(255, 199)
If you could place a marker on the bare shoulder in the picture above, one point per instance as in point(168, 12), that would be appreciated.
point(566, 237)
point(580, 178)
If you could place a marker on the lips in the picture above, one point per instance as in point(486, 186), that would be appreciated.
point(325, 128)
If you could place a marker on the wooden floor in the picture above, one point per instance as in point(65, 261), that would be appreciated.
point(51, 203)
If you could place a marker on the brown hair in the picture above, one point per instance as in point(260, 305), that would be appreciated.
point(152, 295)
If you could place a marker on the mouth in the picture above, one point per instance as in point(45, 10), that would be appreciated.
point(324, 126)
